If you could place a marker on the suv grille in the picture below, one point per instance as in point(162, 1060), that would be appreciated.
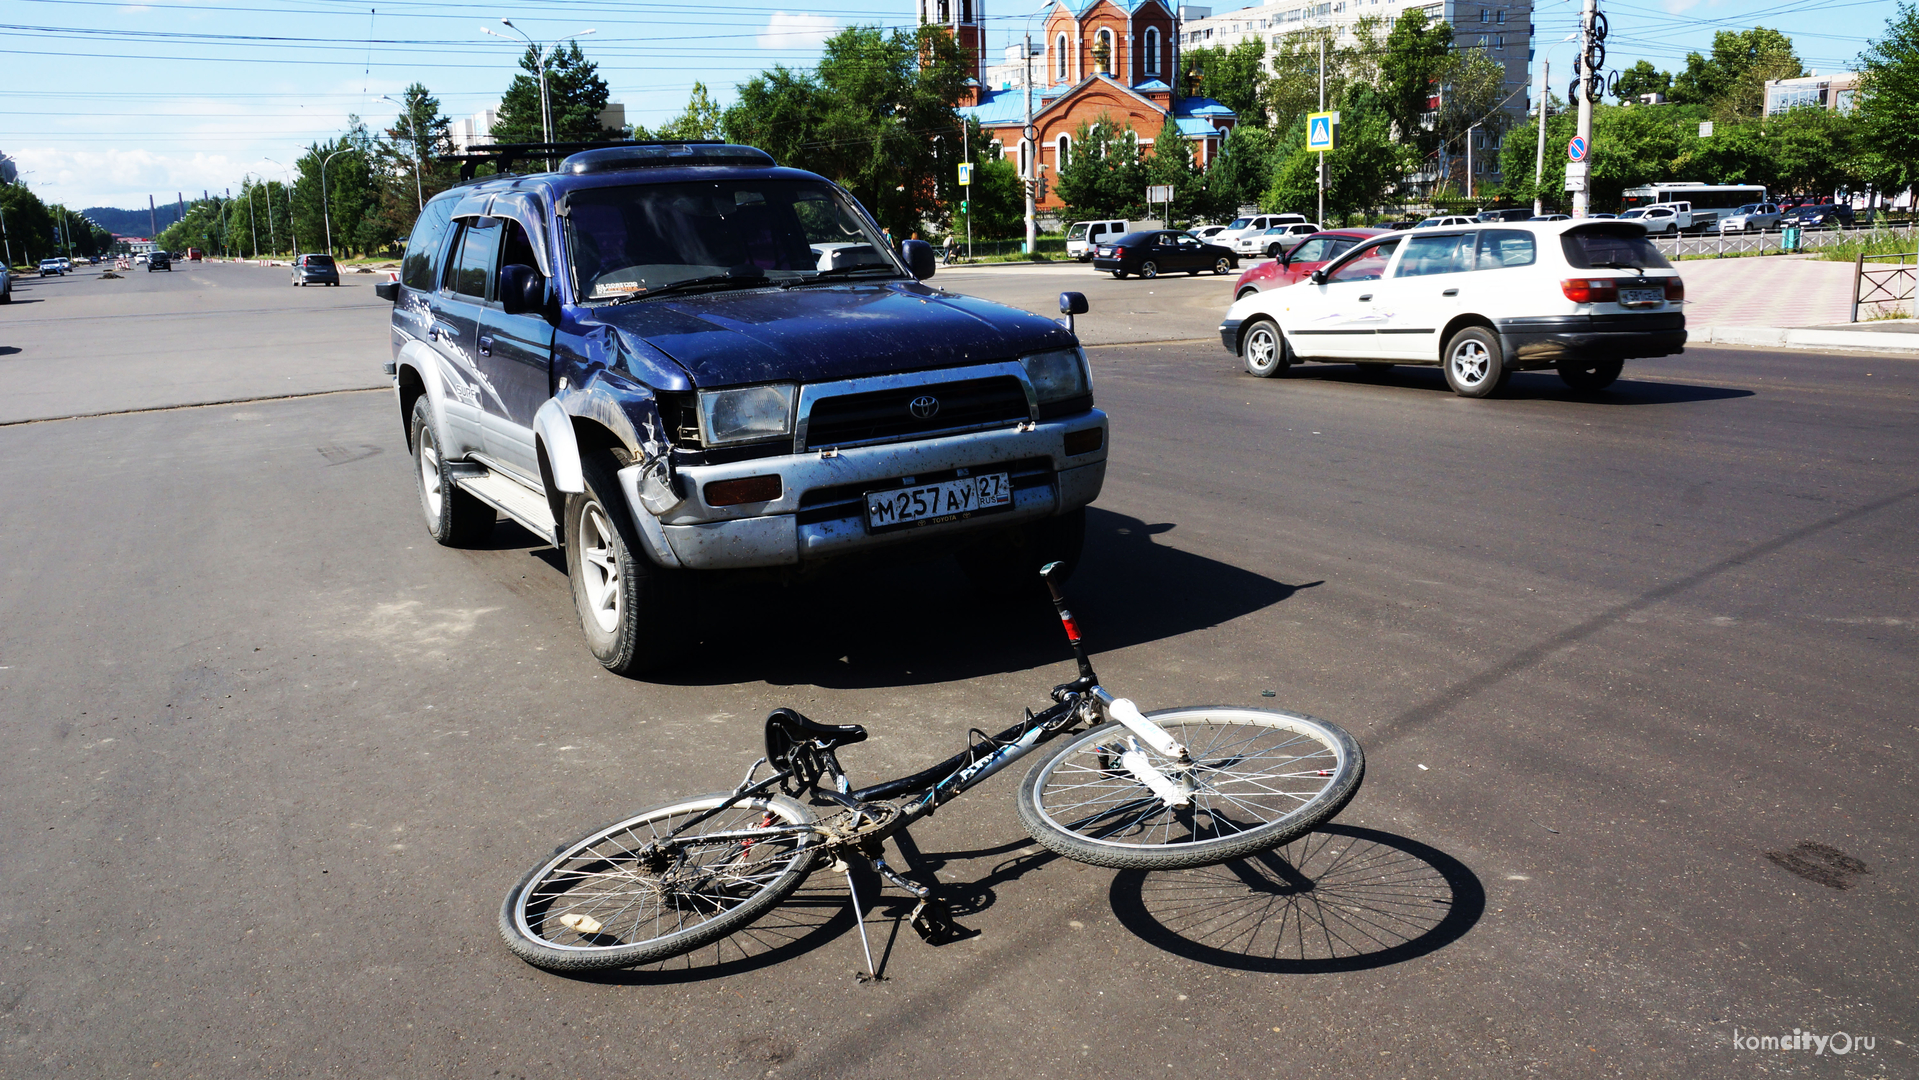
point(889, 415)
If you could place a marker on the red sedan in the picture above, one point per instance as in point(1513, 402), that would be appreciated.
point(1314, 252)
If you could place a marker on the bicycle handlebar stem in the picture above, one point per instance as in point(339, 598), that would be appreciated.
point(1047, 574)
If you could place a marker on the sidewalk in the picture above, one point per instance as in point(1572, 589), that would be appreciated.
point(1792, 301)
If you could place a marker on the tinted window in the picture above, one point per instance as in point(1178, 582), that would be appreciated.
point(422, 266)
point(319, 260)
point(1500, 248)
point(1367, 263)
point(1449, 253)
point(479, 252)
point(1601, 246)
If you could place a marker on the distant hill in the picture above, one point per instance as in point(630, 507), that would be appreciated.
point(132, 222)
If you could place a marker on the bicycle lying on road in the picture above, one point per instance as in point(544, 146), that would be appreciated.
point(1164, 790)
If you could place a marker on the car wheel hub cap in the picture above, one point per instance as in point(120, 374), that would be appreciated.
point(600, 569)
point(1470, 362)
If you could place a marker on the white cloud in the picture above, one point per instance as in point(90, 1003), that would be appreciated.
point(124, 178)
point(784, 31)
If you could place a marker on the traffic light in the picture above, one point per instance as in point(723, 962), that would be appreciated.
point(963, 203)
point(1040, 192)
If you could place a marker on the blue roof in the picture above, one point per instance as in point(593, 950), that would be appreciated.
point(1201, 106)
point(997, 108)
point(1193, 128)
point(1151, 85)
point(1080, 7)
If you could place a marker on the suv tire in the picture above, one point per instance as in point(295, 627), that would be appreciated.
point(620, 596)
point(1265, 350)
point(1589, 376)
point(1007, 564)
point(1474, 365)
point(453, 516)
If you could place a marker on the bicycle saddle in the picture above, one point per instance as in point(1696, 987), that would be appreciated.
point(787, 729)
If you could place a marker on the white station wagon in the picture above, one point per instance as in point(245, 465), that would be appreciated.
point(1483, 302)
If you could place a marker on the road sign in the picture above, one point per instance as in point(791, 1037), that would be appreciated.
point(1705, 129)
point(966, 173)
point(1321, 130)
point(1575, 176)
point(1159, 193)
point(1576, 149)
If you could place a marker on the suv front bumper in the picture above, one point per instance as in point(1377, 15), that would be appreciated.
point(821, 511)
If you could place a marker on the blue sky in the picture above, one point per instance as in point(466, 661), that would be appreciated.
point(104, 102)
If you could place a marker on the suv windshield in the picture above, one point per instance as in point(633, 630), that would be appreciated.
point(626, 241)
point(1599, 246)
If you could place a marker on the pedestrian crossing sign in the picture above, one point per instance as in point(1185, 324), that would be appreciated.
point(1321, 128)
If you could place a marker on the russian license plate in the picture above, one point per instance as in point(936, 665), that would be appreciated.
point(1642, 297)
point(943, 501)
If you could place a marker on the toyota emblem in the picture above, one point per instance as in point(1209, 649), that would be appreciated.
point(926, 406)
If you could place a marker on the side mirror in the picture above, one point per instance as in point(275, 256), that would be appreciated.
point(522, 289)
point(1319, 277)
point(1071, 304)
point(387, 290)
point(1286, 258)
point(920, 258)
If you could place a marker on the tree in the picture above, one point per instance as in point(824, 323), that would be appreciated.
point(352, 194)
point(701, 120)
point(997, 200)
point(1643, 78)
point(1172, 163)
point(1475, 86)
point(1359, 174)
point(575, 94)
point(863, 117)
point(414, 144)
point(1417, 59)
point(1234, 77)
point(1105, 176)
point(1889, 100)
point(1732, 80)
point(1240, 172)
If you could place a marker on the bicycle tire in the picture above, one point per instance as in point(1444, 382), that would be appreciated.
point(653, 907)
point(1078, 802)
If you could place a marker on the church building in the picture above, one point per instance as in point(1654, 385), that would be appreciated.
point(1111, 60)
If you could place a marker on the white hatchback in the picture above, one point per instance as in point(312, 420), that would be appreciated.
point(1482, 302)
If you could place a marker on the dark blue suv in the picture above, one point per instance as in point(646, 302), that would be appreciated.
point(673, 360)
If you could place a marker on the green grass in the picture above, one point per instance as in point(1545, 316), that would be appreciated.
point(1887, 242)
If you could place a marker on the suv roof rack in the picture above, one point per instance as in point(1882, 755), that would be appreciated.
point(504, 155)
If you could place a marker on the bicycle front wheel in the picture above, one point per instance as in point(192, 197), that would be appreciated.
point(622, 895)
point(1257, 779)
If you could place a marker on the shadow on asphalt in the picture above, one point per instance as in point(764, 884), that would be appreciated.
point(916, 623)
point(9, 350)
point(1526, 385)
point(1341, 898)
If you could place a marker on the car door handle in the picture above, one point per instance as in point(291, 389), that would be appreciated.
point(1366, 296)
point(1450, 292)
point(486, 344)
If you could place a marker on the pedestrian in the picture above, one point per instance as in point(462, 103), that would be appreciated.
point(951, 250)
point(887, 234)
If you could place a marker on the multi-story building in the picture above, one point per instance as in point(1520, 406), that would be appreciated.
point(1503, 29)
point(1812, 91)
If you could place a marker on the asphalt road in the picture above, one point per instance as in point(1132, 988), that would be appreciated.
point(269, 757)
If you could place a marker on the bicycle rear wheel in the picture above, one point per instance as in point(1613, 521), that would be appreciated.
point(1258, 779)
point(607, 900)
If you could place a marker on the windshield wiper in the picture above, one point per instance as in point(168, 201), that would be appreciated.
point(1622, 266)
point(708, 281)
point(836, 272)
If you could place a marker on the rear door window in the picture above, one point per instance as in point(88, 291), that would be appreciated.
point(1368, 263)
point(1503, 248)
point(1446, 253)
point(1603, 246)
point(478, 255)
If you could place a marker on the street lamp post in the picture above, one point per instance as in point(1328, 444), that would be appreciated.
point(253, 221)
point(326, 206)
point(413, 132)
point(540, 55)
point(291, 227)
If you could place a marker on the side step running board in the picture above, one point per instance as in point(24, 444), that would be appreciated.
point(512, 498)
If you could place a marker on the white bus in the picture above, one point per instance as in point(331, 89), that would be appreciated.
point(1710, 202)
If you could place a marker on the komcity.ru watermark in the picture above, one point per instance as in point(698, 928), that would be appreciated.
point(1838, 1043)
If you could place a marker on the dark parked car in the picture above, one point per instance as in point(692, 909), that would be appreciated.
point(1150, 254)
point(1511, 213)
point(159, 260)
point(1818, 216)
point(315, 270)
point(679, 361)
point(1312, 253)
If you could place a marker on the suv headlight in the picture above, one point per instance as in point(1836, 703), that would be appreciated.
point(747, 414)
point(1057, 375)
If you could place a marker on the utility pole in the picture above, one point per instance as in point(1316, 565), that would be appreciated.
point(1029, 156)
point(966, 149)
point(1469, 161)
point(254, 222)
point(1582, 200)
point(1539, 166)
point(153, 221)
point(1322, 154)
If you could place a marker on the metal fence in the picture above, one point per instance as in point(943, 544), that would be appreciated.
point(1761, 243)
point(1885, 288)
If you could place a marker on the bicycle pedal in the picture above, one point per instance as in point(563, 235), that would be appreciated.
point(933, 921)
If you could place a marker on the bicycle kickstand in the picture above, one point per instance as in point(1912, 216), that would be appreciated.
point(859, 920)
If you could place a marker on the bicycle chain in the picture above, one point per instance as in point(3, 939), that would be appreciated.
point(848, 827)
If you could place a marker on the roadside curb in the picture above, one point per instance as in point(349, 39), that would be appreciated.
point(1789, 338)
